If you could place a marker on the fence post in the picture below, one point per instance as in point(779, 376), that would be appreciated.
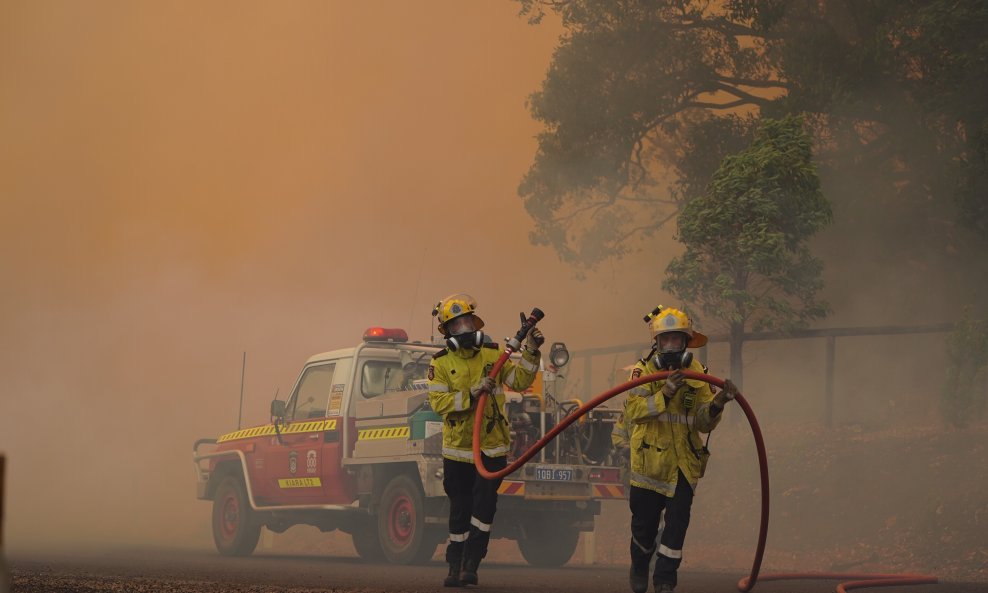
point(587, 376)
point(828, 403)
point(589, 547)
point(2, 460)
point(5, 580)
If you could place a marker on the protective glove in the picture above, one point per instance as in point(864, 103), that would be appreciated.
point(672, 384)
point(486, 385)
point(622, 454)
point(534, 339)
point(726, 394)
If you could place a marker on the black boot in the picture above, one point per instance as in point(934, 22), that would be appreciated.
point(638, 580)
point(469, 576)
point(453, 578)
point(640, 559)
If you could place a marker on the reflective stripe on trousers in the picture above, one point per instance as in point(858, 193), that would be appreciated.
point(646, 514)
point(472, 505)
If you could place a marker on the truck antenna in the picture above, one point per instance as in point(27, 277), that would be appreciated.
point(415, 297)
point(243, 370)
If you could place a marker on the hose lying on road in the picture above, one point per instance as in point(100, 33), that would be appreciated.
point(744, 585)
point(858, 581)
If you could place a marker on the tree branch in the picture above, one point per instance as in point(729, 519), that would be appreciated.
point(720, 24)
point(636, 160)
point(741, 94)
point(706, 105)
point(754, 82)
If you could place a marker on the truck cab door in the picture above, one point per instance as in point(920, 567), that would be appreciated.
point(295, 465)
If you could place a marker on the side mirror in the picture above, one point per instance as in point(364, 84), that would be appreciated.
point(278, 408)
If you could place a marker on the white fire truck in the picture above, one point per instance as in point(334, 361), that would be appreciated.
point(356, 447)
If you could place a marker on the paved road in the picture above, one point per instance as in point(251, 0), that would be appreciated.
point(170, 571)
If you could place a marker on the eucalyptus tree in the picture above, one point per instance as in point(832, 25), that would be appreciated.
point(747, 261)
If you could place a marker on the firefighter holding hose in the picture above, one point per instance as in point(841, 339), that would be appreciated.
point(457, 376)
point(668, 457)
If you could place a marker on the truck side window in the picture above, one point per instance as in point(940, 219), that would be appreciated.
point(380, 376)
point(312, 395)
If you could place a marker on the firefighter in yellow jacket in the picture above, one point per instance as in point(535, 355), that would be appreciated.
point(668, 457)
point(457, 376)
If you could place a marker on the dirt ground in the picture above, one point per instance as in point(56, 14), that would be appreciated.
point(178, 571)
point(851, 499)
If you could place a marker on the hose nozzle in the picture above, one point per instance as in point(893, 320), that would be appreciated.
point(526, 325)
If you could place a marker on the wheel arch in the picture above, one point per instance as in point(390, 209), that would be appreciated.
point(224, 468)
point(385, 472)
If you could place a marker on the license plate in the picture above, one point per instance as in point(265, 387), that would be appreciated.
point(555, 474)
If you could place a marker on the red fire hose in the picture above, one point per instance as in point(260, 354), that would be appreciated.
point(859, 581)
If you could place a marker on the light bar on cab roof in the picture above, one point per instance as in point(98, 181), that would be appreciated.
point(383, 334)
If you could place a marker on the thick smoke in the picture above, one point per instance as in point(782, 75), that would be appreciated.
point(173, 198)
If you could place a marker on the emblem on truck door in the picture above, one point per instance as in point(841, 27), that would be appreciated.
point(292, 462)
point(310, 462)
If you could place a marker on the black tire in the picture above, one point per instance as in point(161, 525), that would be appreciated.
point(366, 542)
point(549, 546)
point(401, 523)
point(236, 528)
point(430, 541)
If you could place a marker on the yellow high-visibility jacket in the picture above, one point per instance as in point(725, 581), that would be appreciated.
point(451, 375)
point(665, 434)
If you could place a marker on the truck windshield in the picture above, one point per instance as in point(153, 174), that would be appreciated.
point(312, 394)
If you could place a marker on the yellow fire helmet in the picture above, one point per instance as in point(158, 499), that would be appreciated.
point(666, 319)
point(453, 306)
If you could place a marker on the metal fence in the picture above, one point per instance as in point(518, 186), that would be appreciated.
point(830, 335)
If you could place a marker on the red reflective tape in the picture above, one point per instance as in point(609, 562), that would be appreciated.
point(511, 488)
point(608, 490)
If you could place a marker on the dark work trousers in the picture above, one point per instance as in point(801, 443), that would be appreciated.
point(646, 512)
point(472, 504)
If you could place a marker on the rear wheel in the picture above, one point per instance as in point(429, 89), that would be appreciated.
point(401, 523)
point(550, 545)
point(235, 525)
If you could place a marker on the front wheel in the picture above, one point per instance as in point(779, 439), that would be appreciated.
point(366, 543)
point(235, 525)
point(401, 523)
point(550, 546)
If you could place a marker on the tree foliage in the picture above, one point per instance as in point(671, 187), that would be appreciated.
point(747, 261)
point(644, 98)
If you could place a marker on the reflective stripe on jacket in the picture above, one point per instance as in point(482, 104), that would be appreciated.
point(665, 434)
point(451, 376)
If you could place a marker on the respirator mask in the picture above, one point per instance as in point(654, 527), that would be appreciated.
point(671, 351)
point(462, 334)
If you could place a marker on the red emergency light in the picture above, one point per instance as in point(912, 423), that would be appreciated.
point(383, 334)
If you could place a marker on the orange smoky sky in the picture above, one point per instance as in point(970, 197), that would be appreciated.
point(185, 181)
